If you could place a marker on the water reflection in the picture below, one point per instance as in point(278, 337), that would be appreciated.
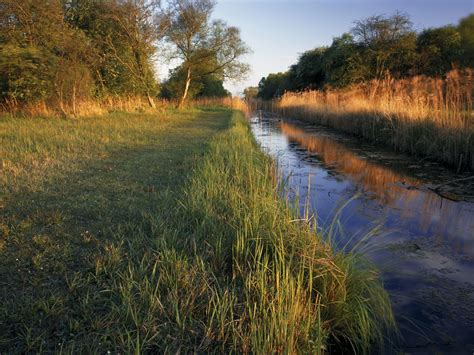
point(439, 216)
point(425, 245)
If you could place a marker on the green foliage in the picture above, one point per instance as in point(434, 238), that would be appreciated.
point(40, 52)
point(309, 72)
point(67, 50)
point(250, 93)
point(205, 47)
point(25, 73)
point(123, 35)
point(205, 85)
point(387, 43)
point(273, 85)
point(376, 47)
point(440, 50)
point(344, 63)
point(211, 86)
point(466, 30)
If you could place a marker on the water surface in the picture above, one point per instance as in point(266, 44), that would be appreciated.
point(419, 215)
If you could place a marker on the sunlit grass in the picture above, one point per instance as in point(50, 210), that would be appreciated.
point(124, 242)
point(429, 117)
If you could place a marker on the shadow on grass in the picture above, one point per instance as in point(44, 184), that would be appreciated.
point(52, 238)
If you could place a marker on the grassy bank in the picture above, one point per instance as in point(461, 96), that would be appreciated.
point(113, 238)
point(427, 117)
point(112, 104)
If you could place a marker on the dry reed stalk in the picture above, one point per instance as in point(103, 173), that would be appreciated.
point(424, 116)
point(110, 104)
point(235, 103)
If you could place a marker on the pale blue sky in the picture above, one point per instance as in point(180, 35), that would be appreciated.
point(278, 30)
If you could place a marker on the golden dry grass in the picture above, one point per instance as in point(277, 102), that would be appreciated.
point(111, 104)
point(429, 117)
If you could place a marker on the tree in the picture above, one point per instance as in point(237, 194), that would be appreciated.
point(308, 72)
point(274, 85)
point(211, 86)
point(198, 42)
point(25, 74)
point(388, 43)
point(344, 62)
point(439, 50)
point(204, 86)
point(42, 57)
point(124, 34)
point(466, 30)
point(250, 93)
point(63, 51)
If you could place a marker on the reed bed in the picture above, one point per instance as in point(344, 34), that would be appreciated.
point(234, 103)
point(428, 117)
point(84, 108)
point(111, 104)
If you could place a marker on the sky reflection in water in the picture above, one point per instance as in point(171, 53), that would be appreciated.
point(424, 244)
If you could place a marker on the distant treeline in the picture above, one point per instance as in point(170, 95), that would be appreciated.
point(64, 51)
point(376, 47)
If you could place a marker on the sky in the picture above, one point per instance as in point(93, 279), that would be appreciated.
point(278, 31)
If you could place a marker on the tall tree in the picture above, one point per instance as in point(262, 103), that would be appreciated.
point(42, 58)
point(198, 42)
point(210, 85)
point(274, 85)
point(389, 43)
point(250, 93)
point(125, 34)
point(308, 72)
point(466, 30)
point(344, 62)
point(439, 50)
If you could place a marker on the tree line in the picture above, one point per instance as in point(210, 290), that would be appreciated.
point(375, 47)
point(65, 51)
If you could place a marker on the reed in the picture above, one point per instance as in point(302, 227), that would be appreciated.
point(83, 108)
point(111, 104)
point(235, 103)
point(428, 117)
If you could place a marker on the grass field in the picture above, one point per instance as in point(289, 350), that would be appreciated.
point(166, 233)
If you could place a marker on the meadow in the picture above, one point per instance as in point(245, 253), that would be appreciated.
point(166, 232)
point(428, 117)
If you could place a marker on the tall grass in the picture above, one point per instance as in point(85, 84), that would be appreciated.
point(278, 286)
point(235, 103)
point(82, 108)
point(222, 264)
point(110, 104)
point(429, 117)
point(242, 274)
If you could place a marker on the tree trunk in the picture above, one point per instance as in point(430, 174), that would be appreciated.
point(59, 92)
point(74, 99)
point(186, 88)
point(151, 102)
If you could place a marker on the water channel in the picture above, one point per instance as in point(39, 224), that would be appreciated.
point(413, 218)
